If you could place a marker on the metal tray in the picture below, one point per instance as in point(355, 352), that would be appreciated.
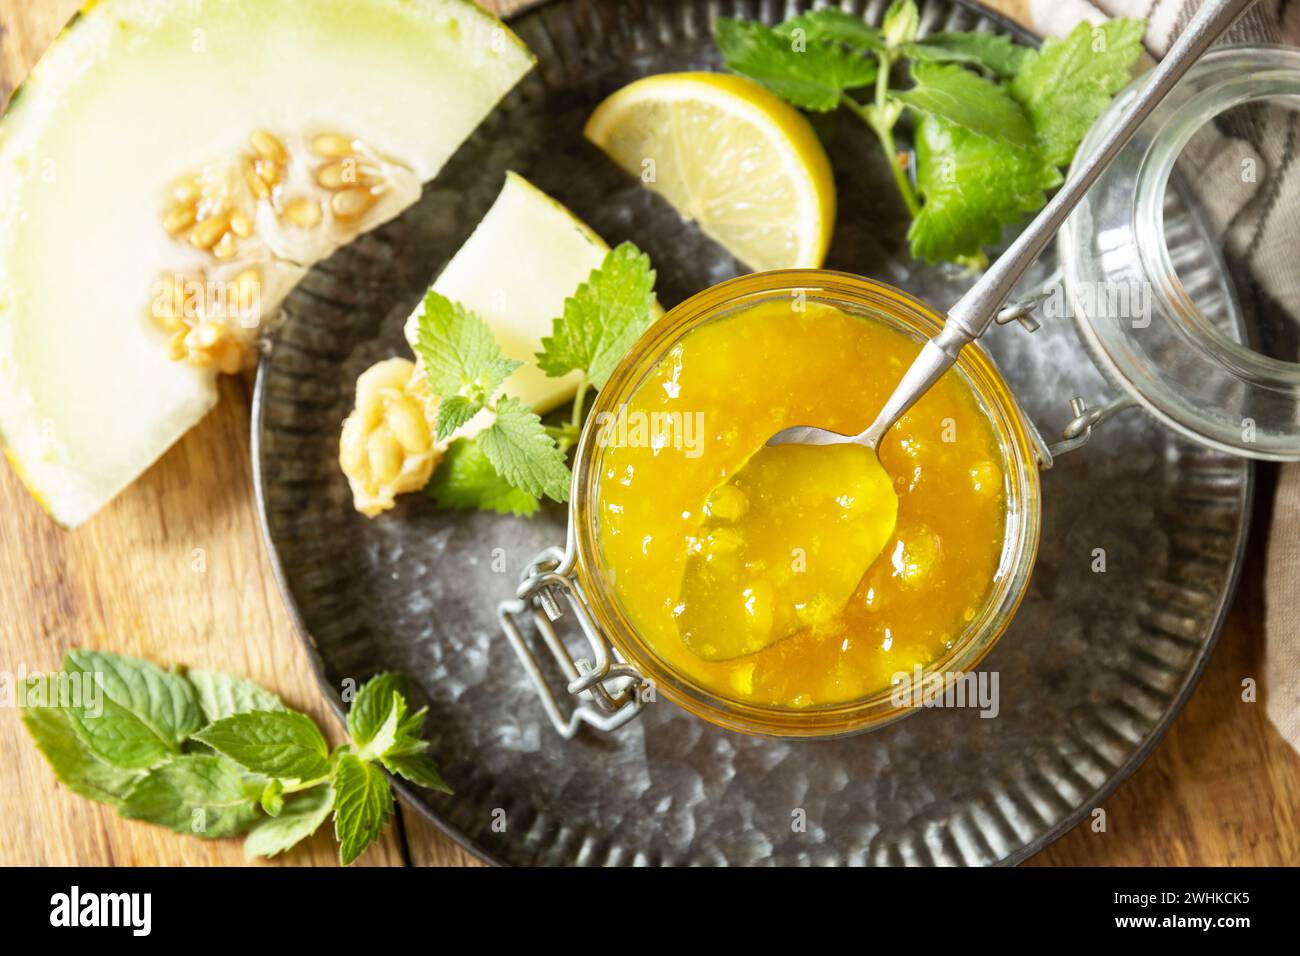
point(1092, 670)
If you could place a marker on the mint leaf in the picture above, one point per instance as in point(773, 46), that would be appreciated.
point(814, 77)
point(410, 731)
point(301, 817)
point(221, 695)
point(363, 802)
point(76, 767)
point(387, 734)
point(972, 187)
point(400, 733)
point(453, 412)
point(999, 55)
point(145, 713)
point(202, 794)
point(276, 743)
point(602, 318)
point(838, 26)
point(372, 705)
point(1067, 84)
point(417, 768)
point(523, 453)
point(466, 479)
point(272, 799)
point(901, 22)
point(959, 96)
point(461, 356)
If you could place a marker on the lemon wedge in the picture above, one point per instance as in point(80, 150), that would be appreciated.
point(730, 156)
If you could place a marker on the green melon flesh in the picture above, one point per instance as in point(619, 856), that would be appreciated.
point(140, 92)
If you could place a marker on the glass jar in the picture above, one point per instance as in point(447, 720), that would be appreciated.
point(631, 665)
point(1145, 277)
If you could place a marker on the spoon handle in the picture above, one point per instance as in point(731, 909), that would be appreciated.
point(971, 316)
point(976, 309)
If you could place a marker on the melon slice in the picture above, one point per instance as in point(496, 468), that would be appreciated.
point(167, 174)
point(526, 256)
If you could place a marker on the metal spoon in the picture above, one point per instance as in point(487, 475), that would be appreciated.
point(976, 310)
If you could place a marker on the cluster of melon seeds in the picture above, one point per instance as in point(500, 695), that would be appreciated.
point(351, 174)
point(209, 322)
point(386, 448)
point(216, 212)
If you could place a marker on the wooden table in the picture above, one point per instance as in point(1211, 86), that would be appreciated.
point(1222, 788)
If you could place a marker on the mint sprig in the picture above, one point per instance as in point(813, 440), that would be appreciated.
point(212, 755)
point(997, 119)
point(518, 459)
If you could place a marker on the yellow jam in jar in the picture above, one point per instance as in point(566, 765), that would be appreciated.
point(665, 462)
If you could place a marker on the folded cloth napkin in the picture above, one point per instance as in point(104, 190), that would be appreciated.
point(1259, 228)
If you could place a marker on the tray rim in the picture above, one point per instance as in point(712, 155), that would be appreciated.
point(408, 791)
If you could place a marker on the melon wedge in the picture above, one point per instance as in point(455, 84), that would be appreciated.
point(145, 120)
point(527, 255)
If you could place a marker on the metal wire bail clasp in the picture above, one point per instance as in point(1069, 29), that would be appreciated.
point(607, 691)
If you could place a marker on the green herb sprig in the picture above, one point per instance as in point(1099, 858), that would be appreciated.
point(993, 122)
point(208, 754)
point(518, 459)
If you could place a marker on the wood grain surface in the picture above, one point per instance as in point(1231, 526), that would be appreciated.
point(1221, 788)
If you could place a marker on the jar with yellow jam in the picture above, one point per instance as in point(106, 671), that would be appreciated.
point(655, 482)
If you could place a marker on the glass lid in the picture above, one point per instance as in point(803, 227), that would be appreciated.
point(1180, 268)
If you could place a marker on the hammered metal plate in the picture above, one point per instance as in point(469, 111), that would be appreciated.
point(1092, 670)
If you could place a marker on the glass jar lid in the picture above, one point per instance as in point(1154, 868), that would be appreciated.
point(1176, 267)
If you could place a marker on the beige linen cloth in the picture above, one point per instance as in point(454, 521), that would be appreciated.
point(1259, 227)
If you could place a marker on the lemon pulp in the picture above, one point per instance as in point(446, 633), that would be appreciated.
point(719, 393)
point(746, 583)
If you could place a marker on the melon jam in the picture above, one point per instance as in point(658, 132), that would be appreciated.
point(686, 422)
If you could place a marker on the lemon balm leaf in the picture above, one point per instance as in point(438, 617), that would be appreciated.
point(461, 356)
point(973, 186)
point(1000, 55)
point(955, 94)
point(466, 479)
point(838, 26)
point(523, 453)
point(453, 412)
point(1069, 83)
point(602, 318)
point(811, 74)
